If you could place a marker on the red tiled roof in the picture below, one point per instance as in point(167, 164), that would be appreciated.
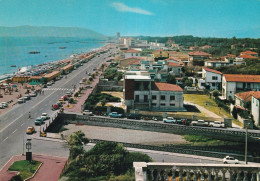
point(247, 56)
point(173, 64)
point(249, 53)
point(134, 58)
point(256, 94)
point(241, 78)
point(131, 51)
point(199, 53)
point(167, 87)
point(246, 96)
point(212, 70)
point(134, 62)
point(52, 74)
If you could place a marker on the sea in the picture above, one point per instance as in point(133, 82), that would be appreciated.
point(15, 51)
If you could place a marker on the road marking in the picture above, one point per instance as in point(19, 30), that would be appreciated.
point(10, 123)
point(22, 124)
point(5, 139)
point(14, 131)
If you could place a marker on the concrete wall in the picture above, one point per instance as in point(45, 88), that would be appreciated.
point(224, 134)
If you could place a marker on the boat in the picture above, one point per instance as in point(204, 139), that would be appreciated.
point(62, 47)
point(12, 65)
point(34, 52)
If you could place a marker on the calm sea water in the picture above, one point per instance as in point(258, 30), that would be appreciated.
point(15, 51)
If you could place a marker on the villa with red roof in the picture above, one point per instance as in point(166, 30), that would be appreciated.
point(132, 53)
point(249, 53)
point(124, 63)
point(242, 99)
point(142, 93)
point(255, 107)
point(234, 83)
point(210, 78)
point(197, 58)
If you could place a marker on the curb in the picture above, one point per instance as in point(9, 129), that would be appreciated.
point(36, 171)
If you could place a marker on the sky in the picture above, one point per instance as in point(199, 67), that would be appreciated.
point(205, 18)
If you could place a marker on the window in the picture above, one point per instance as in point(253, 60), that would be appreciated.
point(214, 78)
point(136, 54)
point(154, 97)
point(132, 54)
point(154, 104)
point(162, 104)
point(137, 98)
point(145, 98)
point(172, 105)
point(162, 97)
point(172, 98)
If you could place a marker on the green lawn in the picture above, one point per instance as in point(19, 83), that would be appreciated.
point(25, 168)
point(209, 104)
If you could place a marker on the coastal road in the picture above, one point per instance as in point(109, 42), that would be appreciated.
point(13, 124)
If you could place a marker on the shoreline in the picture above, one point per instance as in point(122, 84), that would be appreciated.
point(27, 68)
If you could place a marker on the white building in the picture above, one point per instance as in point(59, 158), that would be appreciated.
point(211, 78)
point(140, 92)
point(234, 83)
point(255, 107)
point(132, 53)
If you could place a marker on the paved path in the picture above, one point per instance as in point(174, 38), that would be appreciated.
point(209, 113)
point(50, 170)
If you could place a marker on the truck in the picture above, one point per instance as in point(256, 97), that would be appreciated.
point(115, 115)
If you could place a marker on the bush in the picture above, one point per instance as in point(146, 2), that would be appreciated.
point(16, 178)
point(71, 100)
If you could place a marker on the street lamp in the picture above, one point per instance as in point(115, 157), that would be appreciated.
point(246, 143)
point(28, 146)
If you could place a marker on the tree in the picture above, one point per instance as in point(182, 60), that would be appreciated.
point(215, 93)
point(234, 113)
point(103, 102)
point(171, 79)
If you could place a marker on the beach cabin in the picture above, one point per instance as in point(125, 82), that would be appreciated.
point(51, 76)
point(21, 79)
point(36, 80)
point(67, 69)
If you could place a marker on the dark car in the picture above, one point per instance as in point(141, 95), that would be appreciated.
point(133, 116)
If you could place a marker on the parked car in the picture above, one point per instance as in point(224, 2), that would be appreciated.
point(217, 124)
point(33, 94)
point(21, 100)
point(61, 101)
point(45, 116)
point(30, 130)
point(133, 116)
point(69, 94)
point(55, 106)
point(49, 84)
point(88, 113)
point(4, 104)
point(230, 160)
point(199, 123)
point(27, 97)
point(39, 121)
point(115, 115)
point(169, 120)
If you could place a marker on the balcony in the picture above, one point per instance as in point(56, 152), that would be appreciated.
point(195, 172)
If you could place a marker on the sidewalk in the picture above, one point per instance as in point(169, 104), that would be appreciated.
point(50, 169)
point(81, 100)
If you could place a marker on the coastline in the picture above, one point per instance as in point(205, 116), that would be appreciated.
point(36, 67)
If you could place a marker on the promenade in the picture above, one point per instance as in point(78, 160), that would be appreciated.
point(50, 169)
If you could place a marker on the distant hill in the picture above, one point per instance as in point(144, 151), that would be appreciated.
point(49, 31)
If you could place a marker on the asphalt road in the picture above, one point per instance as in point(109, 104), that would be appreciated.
point(13, 124)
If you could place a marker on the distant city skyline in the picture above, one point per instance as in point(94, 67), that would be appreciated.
point(205, 18)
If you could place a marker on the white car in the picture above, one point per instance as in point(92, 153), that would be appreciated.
point(45, 116)
point(169, 120)
point(88, 113)
point(4, 104)
point(217, 124)
point(21, 100)
point(230, 160)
